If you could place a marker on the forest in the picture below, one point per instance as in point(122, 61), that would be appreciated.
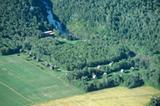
point(118, 45)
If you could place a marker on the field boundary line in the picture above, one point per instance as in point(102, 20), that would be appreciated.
point(2, 83)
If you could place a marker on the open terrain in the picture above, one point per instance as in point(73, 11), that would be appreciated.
point(118, 96)
point(25, 82)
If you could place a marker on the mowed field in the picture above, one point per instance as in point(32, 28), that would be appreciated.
point(118, 96)
point(24, 83)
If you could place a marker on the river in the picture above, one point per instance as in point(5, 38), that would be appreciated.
point(53, 20)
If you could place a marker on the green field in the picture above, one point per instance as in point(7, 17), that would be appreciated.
point(25, 82)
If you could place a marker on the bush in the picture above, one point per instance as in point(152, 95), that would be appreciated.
point(91, 86)
point(9, 51)
point(101, 84)
point(124, 64)
point(153, 77)
point(70, 76)
point(155, 101)
point(134, 81)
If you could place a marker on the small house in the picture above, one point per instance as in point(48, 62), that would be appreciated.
point(46, 64)
point(104, 74)
point(98, 67)
point(30, 53)
point(49, 32)
point(122, 70)
point(51, 67)
point(94, 76)
point(110, 64)
point(132, 68)
point(58, 69)
point(38, 59)
point(34, 57)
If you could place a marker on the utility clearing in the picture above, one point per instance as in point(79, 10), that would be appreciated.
point(118, 96)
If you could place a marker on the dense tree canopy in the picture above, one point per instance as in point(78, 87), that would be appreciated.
point(20, 20)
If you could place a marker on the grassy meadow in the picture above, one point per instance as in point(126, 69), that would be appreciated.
point(25, 82)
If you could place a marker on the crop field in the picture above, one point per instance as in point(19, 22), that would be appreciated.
point(118, 96)
point(24, 83)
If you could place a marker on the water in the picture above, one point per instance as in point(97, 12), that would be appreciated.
point(53, 20)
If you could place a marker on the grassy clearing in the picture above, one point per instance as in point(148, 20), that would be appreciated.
point(73, 42)
point(118, 96)
point(25, 82)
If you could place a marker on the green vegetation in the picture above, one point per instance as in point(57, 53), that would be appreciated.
point(107, 43)
point(118, 45)
point(21, 23)
point(25, 82)
point(111, 29)
point(155, 101)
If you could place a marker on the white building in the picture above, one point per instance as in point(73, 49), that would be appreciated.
point(132, 68)
point(98, 67)
point(122, 70)
point(110, 64)
point(104, 74)
point(94, 76)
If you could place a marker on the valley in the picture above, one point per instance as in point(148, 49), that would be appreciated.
point(79, 53)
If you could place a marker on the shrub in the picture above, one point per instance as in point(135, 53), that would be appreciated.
point(134, 81)
point(155, 101)
point(91, 86)
point(153, 77)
